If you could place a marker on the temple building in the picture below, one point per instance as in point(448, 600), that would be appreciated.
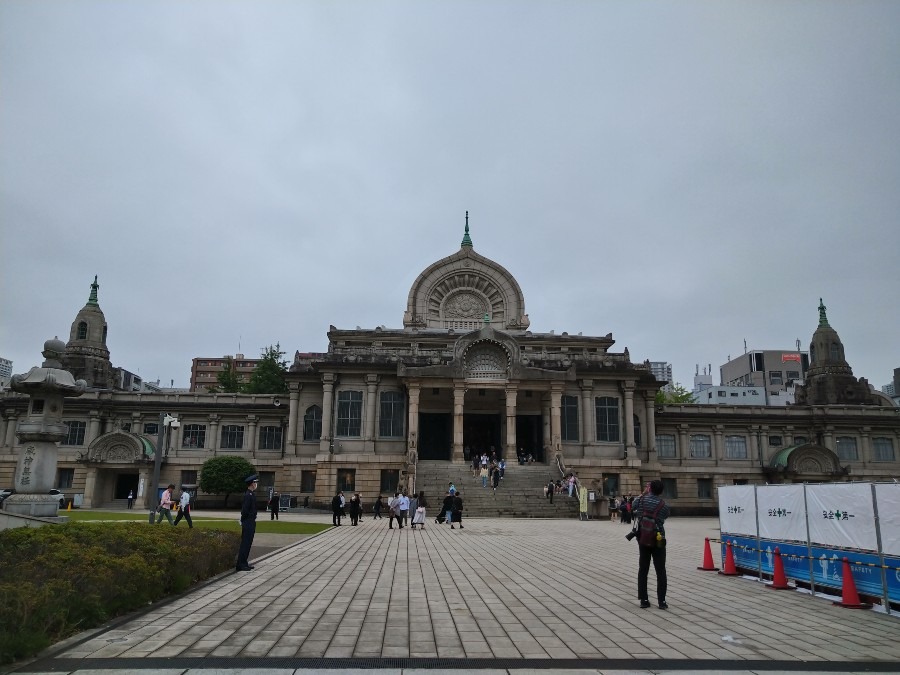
point(384, 407)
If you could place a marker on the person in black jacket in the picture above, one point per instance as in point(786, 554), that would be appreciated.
point(651, 505)
point(248, 524)
point(337, 509)
point(457, 510)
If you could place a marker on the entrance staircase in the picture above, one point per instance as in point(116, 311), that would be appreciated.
point(520, 494)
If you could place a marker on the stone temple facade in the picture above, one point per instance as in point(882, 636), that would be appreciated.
point(465, 374)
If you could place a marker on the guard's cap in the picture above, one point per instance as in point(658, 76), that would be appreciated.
point(252, 478)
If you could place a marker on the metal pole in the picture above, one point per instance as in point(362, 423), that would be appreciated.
point(157, 459)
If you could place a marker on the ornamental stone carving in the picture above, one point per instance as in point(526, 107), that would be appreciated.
point(464, 306)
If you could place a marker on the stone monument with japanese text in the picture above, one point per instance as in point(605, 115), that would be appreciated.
point(40, 432)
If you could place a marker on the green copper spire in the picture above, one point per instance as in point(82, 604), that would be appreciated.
point(467, 240)
point(823, 320)
point(92, 301)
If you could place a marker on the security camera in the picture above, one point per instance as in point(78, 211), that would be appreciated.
point(276, 402)
point(175, 424)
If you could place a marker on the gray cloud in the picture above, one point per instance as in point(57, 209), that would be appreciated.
point(686, 176)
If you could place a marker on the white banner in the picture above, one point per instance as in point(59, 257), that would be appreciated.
point(888, 496)
point(737, 509)
point(782, 515)
point(842, 514)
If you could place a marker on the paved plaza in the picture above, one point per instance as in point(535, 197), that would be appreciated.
point(500, 596)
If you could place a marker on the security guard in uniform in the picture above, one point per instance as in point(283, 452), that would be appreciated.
point(248, 524)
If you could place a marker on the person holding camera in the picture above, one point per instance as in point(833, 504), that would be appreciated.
point(649, 512)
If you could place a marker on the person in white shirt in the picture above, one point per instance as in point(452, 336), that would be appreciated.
point(403, 510)
point(184, 509)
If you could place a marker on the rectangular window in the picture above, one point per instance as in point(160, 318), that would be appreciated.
point(390, 479)
point(704, 488)
point(701, 446)
point(775, 377)
point(665, 445)
point(735, 447)
point(607, 408)
point(670, 488)
point(349, 421)
point(390, 422)
point(846, 448)
point(126, 426)
point(722, 394)
point(883, 449)
point(270, 438)
point(611, 485)
point(346, 480)
point(74, 433)
point(307, 481)
point(266, 480)
point(800, 440)
point(775, 441)
point(151, 428)
point(64, 478)
point(37, 406)
point(793, 374)
point(193, 436)
point(568, 412)
point(232, 436)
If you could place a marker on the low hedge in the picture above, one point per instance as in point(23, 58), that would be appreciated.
point(58, 580)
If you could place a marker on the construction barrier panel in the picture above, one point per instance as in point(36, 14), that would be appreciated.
point(815, 527)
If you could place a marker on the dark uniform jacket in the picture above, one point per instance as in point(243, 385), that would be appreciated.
point(248, 507)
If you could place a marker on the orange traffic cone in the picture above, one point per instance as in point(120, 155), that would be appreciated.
point(849, 596)
point(779, 580)
point(708, 565)
point(730, 568)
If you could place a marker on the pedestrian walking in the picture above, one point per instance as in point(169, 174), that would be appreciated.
point(502, 467)
point(165, 505)
point(274, 506)
point(130, 499)
point(419, 512)
point(248, 524)
point(445, 516)
point(403, 510)
point(184, 509)
point(551, 488)
point(650, 512)
point(376, 510)
point(393, 506)
point(496, 478)
point(484, 475)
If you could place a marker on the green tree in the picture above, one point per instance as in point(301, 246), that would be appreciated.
point(268, 376)
point(678, 395)
point(225, 475)
point(228, 379)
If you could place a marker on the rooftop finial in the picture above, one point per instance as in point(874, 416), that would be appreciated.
point(92, 300)
point(823, 320)
point(467, 240)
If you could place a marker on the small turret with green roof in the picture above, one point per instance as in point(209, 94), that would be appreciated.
point(467, 240)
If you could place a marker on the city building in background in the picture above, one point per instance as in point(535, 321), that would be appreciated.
point(662, 371)
point(774, 371)
point(205, 370)
point(5, 372)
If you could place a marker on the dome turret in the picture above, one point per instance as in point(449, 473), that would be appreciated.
point(86, 355)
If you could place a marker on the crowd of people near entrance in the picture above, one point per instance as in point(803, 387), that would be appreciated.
point(489, 468)
point(402, 508)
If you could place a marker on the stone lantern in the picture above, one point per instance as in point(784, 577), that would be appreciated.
point(40, 432)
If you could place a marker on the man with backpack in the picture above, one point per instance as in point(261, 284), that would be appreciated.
point(649, 512)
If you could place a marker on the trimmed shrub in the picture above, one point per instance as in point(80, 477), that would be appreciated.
point(58, 580)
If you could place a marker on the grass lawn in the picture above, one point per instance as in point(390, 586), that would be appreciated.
point(228, 524)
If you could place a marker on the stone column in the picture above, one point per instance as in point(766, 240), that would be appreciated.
point(511, 394)
point(90, 488)
point(630, 448)
point(555, 433)
point(684, 443)
point(828, 439)
point(547, 438)
point(459, 406)
point(371, 398)
point(251, 434)
point(328, 381)
point(754, 454)
point(2, 430)
point(290, 443)
point(213, 437)
point(650, 423)
point(718, 449)
point(93, 427)
point(587, 390)
point(10, 429)
point(865, 452)
point(413, 419)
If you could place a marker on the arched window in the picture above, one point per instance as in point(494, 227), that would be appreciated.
point(82, 331)
point(812, 353)
point(835, 352)
point(312, 423)
point(104, 334)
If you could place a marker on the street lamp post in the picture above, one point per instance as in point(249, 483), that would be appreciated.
point(164, 421)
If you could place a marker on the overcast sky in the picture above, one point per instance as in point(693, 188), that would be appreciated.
point(685, 175)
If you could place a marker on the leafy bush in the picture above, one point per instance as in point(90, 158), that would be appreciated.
point(225, 475)
point(58, 580)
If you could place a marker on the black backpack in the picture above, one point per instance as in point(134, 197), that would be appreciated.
point(647, 527)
